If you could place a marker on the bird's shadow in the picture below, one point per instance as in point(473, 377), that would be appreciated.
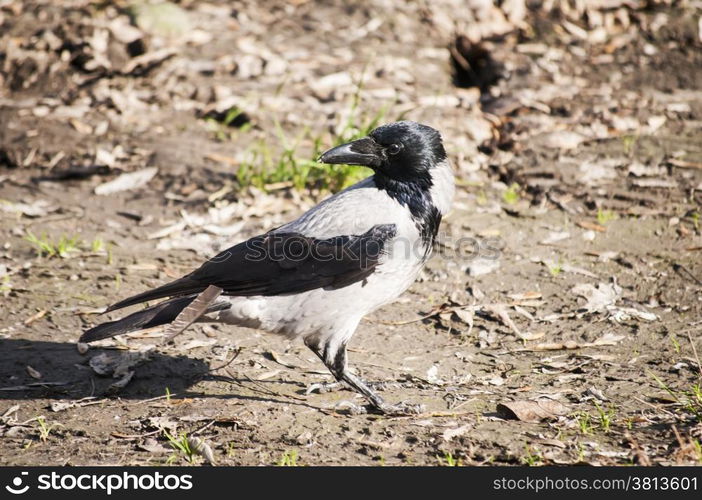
point(31, 369)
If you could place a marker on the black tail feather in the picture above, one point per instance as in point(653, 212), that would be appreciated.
point(177, 288)
point(160, 314)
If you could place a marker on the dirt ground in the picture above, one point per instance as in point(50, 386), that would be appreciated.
point(557, 323)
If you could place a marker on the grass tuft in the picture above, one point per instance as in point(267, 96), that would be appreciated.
point(45, 246)
point(605, 216)
point(531, 458)
point(288, 459)
point(511, 194)
point(555, 269)
point(690, 400)
point(449, 460)
point(181, 445)
point(291, 159)
point(45, 429)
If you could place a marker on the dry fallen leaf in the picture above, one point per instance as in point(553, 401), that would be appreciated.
point(38, 208)
point(591, 226)
point(561, 139)
point(153, 446)
point(269, 374)
point(196, 343)
point(532, 411)
point(466, 315)
point(605, 340)
point(453, 432)
point(125, 182)
point(201, 447)
point(532, 335)
point(35, 317)
point(276, 357)
point(598, 298)
point(531, 295)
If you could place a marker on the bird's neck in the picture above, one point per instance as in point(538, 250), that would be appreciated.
point(442, 186)
point(416, 196)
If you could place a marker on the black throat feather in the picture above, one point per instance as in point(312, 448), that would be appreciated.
point(416, 197)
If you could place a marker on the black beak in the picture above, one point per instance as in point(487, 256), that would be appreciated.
point(365, 152)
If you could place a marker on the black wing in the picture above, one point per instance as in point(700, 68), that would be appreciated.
point(281, 263)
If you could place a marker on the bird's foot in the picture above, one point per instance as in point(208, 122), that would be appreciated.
point(401, 409)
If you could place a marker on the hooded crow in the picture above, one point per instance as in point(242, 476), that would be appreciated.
point(317, 276)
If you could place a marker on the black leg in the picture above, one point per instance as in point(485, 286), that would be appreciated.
point(336, 362)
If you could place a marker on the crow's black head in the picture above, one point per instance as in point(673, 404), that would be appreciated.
point(402, 151)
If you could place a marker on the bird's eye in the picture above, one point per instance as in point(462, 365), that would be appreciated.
point(393, 149)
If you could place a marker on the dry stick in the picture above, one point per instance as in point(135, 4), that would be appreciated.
point(657, 408)
point(271, 392)
point(679, 267)
point(435, 414)
point(203, 427)
point(682, 444)
point(236, 355)
point(684, 164)
point(119, 435)
point(165, 396)
point(491, 308)
point(192, 312)
point(639, 453)
point(407, 322)
point(694, 351)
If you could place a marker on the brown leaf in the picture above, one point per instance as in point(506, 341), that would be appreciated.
point(35, 317)
point(592, 226)
point(530, 295)
point(532, 411)
point(276, 357)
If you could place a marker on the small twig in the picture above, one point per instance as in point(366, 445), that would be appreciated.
point(272, 392)
point(560, 204)
point(694, 351)
point(640, 454)
point(134, 436)
point(436, 414)
point(203, 427)
point(679, 267)
point(657, 408)
point(683, 164)
point(236, 355)
point(165, 396)
point(409, 321)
